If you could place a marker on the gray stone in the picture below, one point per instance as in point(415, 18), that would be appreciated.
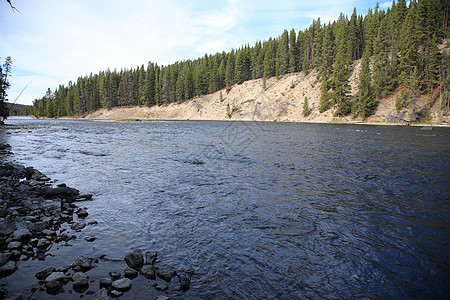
point(84, 263)
point(8, 268)
point(53, 286)
point(6, 228)
point(167, 274)
point(55, 276)
point(4, 257)
point(82, 213)
point(78, 276)
point(148, 271)
point(60, 192)
point(15, 297)
point(43, 243)
point(131, 273)
point(185, 282)
point(134, 259)
point(105, 282)
point(162, 298)
point(123, 284)
point(14, 245)
point(162, 287)
point(78, 226)
point(115, 275)
point(150, 257)
point(116, 294)
point(45, 273)
point(21, 234)
point(80, 285)
point(100, 295)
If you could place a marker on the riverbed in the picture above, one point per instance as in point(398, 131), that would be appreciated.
point(259, 210)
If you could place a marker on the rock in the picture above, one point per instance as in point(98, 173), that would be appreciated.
point(167, 274)
point(78, 276)
point(185, 282)
point(4, 257)
point(59, 192)
point(116, 294)
point(14, 245)
point(162, 287)
point(84, 197)
point(21, 234)
point(84, 263)
point(130, 273)
point(39, 226)
point(55, 276)
point(53, 287)
point(123, 284)
point(150, 257)
point(6, 228)
point(148, 271)
point(43, 243)
point(8, 268)
point(115, 275)
point(82, 213)
point(80, 285)
point(15, 297)
point(162, 298)
point(105, 282)
point(78, 226)
point(134, 259)
point(45, 273)
point(90, 239)
point(100, 295)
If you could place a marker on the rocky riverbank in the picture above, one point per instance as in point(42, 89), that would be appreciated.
point(35, 216)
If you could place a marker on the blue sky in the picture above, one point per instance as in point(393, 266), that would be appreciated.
point(54, 42)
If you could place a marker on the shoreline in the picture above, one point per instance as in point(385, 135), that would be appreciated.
point(149, 120)
point(36, 216)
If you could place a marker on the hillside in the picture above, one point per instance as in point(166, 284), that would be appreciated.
point(281, 101)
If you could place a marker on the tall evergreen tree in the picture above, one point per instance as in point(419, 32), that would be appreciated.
point(364, 104)
point(282, 61)
point(293, 52)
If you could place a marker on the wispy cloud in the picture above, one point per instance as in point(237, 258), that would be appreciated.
point(53, 42)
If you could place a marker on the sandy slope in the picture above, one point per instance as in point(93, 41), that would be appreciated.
point(282, 100)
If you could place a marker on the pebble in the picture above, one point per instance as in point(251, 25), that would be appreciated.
point(162, 287)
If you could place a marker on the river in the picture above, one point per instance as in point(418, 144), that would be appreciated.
point(260, 210)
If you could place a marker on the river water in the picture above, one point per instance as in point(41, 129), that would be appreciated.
point(259, 210)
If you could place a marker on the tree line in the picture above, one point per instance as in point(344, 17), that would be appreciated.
point(399, 47)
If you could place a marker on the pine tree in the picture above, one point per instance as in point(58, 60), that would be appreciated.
point(408, 45)
point(364, 105)
point(282, 60)
point(269, 58)
point(325, 96)
point(229, 72)
point(306, 110)
point(384, 74)
point(341, 75)
point(4, 86)
point(293, 52)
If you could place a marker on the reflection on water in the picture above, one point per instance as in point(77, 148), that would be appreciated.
point(261, 210)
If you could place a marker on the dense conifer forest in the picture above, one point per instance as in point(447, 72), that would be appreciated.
point(399, 47)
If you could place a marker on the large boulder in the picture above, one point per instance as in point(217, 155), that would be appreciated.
point(60, 192)
point(134, 259)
